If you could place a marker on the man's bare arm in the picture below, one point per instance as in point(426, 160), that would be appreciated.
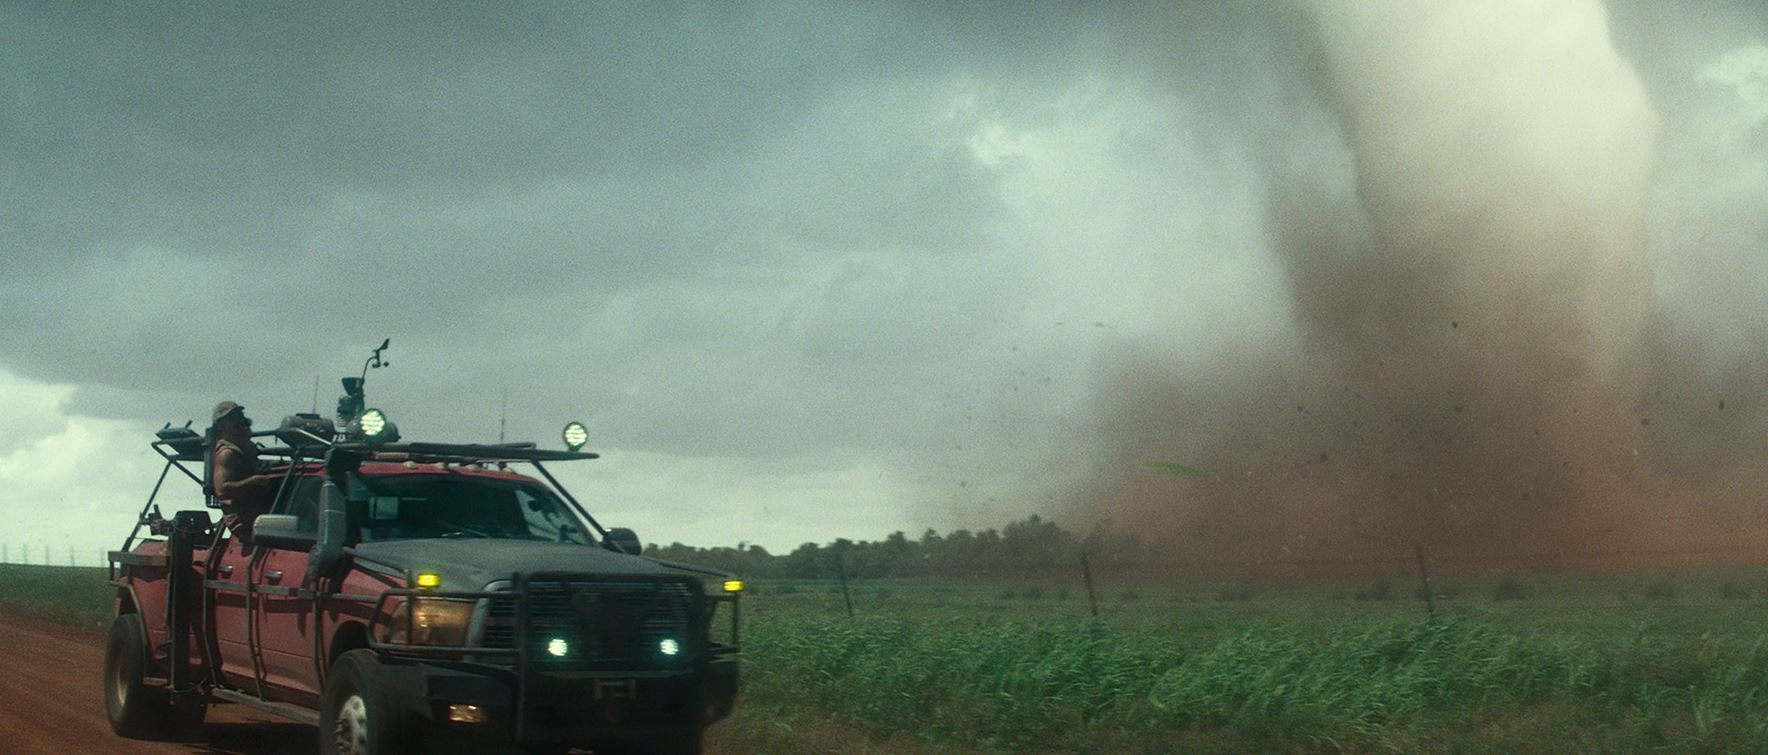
point(226, 487)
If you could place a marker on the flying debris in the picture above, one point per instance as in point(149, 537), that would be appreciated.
point(1172, 468)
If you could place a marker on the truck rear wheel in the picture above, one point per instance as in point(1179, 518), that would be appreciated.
point(356, 716)
point(136, 710)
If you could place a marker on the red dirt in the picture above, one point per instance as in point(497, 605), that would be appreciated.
point(51, 701)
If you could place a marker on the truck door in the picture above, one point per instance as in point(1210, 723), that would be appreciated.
point(284, 616)
point(227, 596)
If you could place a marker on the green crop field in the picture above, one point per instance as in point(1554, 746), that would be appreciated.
point(1536, 663)
point(66, 595)
point(1519, 663)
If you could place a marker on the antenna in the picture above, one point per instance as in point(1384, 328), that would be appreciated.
point(315, 394)
point(504, 416)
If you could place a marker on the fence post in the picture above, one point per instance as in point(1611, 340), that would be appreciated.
point(841, 574)
point(1086, 574)
point(1424, 580)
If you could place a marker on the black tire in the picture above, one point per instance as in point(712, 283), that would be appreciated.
point(357, 716)
point(136, 710)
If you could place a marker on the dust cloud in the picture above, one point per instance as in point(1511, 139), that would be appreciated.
point(1478, 367)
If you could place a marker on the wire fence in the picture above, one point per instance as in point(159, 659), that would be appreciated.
point(48, 554)
point(1730, 573)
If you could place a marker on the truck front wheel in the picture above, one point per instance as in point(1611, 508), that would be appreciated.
point(356, 716)
point(136, 710)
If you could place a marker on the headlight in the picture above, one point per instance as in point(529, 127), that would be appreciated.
point(430, 621)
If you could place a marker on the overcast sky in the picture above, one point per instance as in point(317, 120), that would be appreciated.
point(806, 270)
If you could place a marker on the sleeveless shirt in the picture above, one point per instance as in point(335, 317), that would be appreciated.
point(240, 464)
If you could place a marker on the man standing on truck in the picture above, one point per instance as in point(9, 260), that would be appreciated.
point(233, 469)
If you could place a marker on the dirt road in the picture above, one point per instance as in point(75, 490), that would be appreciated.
point(50, 702)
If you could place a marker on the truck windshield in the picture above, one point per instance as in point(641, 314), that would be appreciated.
point(413, 506)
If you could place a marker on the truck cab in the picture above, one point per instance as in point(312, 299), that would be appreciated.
point(401, 596)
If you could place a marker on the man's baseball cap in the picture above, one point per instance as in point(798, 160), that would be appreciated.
point(226, 408)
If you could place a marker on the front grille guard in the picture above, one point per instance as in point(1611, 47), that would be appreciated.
point(385, 607)
point(522, 650)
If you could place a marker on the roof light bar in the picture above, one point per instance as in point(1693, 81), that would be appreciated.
point(575, 435)
point(372, 422)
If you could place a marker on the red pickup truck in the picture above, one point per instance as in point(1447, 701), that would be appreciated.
point(406, 596)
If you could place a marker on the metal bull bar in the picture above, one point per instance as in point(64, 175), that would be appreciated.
point(697, 648)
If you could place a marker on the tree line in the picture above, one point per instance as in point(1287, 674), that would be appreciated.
point(1029, 543)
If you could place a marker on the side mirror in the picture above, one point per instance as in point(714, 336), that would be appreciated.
point(328, 547)
point(622, 540)
point(281, 531)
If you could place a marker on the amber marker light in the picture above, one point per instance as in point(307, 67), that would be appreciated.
point(428, 580)
point(733, 585)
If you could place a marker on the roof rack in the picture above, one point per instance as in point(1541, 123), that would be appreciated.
point(466, 453)
point(190, 448)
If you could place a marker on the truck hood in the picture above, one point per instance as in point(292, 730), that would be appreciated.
point(471, 564)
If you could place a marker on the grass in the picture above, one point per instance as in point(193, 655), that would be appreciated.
point(1543, 662)
point(1391, 685)
point(1536, 662)
point(75, 596)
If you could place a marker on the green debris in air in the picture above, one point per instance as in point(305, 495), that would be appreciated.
point(1171, 468)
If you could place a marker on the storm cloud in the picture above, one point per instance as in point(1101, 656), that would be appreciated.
point(918, 265)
